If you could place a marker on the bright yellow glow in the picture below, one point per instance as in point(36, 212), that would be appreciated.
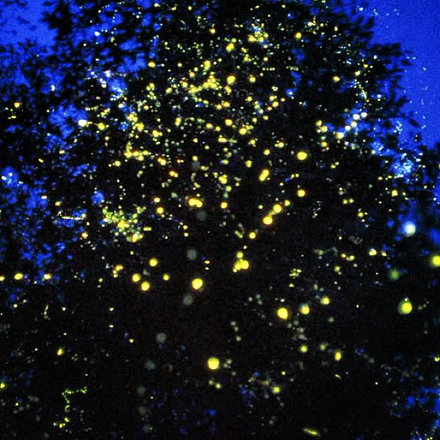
point(82, 122)
point(195, 202)
point(230, 79)
point(252, 235)
point(223, 179)
point(304, 348)
point(301, 193)
point(166, 277)
point(145, 286)
point(277, 208)
point(405, 307)
point(283, 313)
point(435, 260)
point(304, 309)
point(276, 389)
point(213, 363)
point(47, 276)
point(325, 300)
point(338, 355)
point(153, 262)
point(228, 122)
point(230, 47)
point(136, 277)
point(241, 265)
point(151, 64)
point(372, 252)
point(312, 432)
point(298, 36)
point(60, 351)
point(264, 175)
point(224, 205)
point(197, 283)
point(18, 276)
point(242, 131)
point(302, 155)
point(2, 385)
point(267, 220)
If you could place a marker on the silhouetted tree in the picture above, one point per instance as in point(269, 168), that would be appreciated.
point(229, 255)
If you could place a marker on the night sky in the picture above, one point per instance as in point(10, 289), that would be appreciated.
point(218, 219)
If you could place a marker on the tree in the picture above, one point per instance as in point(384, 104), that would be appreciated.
point(232, 257)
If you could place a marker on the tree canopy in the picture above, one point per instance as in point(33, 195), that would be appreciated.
point(206, 231)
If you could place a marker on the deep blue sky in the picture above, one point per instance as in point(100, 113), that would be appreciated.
point(413, 23)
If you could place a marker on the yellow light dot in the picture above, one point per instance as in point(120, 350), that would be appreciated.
point(276, 389)
point(338, 355)
point(267, 220)
point(2, 278)
point(213, 363)
point(336, 79)
point(242, 131)
point(145, 286)
point(18, 276)
point(47, 276)
point(277, 208)
point(252, 235)
point(197, 283)
point(245, 264)
point(60, 351)
point(252, 79)
point(304, 348)
point(405, 307)
point(435, 260)
point(228, 122)
point(302, 155)
point(301, 193)
point(304, 309)
point(2, 386)
point(160, 210)
point(372, 252)
point(17, 104)
point(230, 47)
point(136, 277)
point(223, 179)
point(325, 300)
point(101, 126)
point(283, 313)
point(195, 202)
point(166, 277)
point(298, 36)
point(224, 205)
point(82, 122)
point(153, 262)
point(312, 432)
point(151, 64)
point(230, 79)
point(264, 175)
